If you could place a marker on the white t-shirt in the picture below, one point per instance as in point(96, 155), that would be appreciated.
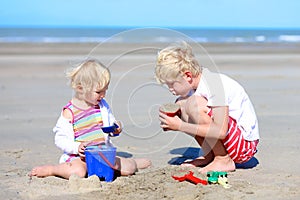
point(220, 90)
point(64, 134)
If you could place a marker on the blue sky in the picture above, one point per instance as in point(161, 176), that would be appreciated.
point(151, 13)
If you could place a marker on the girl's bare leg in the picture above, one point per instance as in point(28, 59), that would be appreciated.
point(128, 166)
point(64, 170)
point(142, 163)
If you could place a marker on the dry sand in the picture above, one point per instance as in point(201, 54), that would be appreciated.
point(33, 90)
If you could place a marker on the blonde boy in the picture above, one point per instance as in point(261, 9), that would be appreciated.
point(215, 110)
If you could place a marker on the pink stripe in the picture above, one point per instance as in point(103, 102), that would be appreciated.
point(68, 108)
point(85, 114)
point(93, 128)
point(68, 105)
point(70, 157)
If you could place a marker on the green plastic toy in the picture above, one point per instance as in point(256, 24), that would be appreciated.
point(212, 177)
point(215, 177)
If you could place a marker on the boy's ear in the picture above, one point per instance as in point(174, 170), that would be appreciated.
point(188, 76)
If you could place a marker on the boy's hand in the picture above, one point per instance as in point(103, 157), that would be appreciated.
point(172, 123)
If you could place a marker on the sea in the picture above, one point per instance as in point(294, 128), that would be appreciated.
point(137, 35)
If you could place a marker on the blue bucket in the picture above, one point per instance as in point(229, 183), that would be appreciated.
point(100, 161)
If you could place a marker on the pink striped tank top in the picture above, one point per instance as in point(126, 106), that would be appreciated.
point(86, 123)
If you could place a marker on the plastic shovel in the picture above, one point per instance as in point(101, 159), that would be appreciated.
point(191, 178)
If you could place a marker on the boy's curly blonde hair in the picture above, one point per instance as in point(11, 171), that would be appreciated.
point(88, 75)
point(174, 61)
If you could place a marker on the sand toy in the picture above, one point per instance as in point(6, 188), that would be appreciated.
point(191, 178)
point(216, 177)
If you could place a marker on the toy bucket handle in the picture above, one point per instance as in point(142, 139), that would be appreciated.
point(107, 161)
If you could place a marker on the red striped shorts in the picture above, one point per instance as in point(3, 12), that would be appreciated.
point(239, 149)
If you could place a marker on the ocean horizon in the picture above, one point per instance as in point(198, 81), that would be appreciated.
point(151, 35)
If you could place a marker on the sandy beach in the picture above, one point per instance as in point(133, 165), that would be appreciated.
point(33, 91)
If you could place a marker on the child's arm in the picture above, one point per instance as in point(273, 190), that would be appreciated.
point(215, 127)
point(108, 117)
point(64, 134)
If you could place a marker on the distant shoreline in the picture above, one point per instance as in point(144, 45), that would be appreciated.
point(13, 48)
point(138, 35)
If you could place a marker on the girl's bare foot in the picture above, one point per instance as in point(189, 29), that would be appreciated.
point(220, 163)
point(42, 171)
point(142, 163)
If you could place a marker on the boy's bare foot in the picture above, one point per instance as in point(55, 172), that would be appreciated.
point(198, 162)
point(41, 171)
point(220, 163)
point(142, 163)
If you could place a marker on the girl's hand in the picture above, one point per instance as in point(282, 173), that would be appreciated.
point(81, 149)
point(172, 123)
point(119, 129)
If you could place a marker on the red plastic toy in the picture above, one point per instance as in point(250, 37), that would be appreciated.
point(191, 178)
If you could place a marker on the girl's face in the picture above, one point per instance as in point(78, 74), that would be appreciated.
point(179, 87)
point(96, 95)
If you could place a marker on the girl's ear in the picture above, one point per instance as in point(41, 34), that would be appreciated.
point(79, 89)
point(188, 76)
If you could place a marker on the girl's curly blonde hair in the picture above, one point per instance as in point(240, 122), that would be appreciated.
point(88, 75)
point(174, 61)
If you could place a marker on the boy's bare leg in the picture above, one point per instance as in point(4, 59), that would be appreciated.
point(64, 170)
point(194, 110)
point(201, 161)
point(216, 156)
point(221, 161)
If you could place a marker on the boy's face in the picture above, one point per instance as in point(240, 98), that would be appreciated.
point(179, 87)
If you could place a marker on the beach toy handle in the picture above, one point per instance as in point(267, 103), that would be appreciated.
point(191, 178)
point(107, 161)
point(195, 180)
